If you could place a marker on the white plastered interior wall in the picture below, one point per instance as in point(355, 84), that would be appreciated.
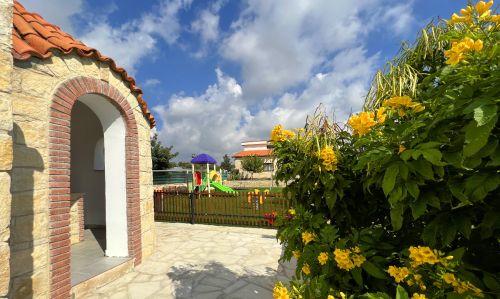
point(115, 173)
point(86, 131)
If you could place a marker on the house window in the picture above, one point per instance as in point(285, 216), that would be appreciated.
point(268, 167)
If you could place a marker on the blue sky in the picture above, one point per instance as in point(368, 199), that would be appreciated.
point(216, 73)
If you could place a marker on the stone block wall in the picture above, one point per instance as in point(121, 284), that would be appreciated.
point(33, 85)
point(6, 154)
point(77, 221)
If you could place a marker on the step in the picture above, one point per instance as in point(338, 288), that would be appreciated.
point(91, 284)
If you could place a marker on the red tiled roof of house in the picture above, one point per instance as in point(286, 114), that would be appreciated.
point(33, 36)
point(259, 153)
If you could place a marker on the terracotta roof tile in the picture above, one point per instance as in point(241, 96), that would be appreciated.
point(259, 153)
point(33, 36)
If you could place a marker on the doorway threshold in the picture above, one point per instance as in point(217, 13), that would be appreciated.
point(90, 268)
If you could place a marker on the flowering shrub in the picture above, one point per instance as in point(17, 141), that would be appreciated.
point(404, 201)
point(270, 218)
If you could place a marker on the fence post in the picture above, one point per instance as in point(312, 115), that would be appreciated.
point(191, 207)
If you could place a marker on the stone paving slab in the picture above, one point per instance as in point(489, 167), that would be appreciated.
point(204, 261)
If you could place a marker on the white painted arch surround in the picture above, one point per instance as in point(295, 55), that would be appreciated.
point(114, 129)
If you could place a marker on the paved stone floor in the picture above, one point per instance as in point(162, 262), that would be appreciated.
point(87, 257)
point(203, 261)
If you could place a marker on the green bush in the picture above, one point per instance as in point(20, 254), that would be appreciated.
point(406, 199)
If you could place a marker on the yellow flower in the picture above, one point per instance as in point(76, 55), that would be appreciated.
point(453, 57)
point(495, 18)
point(423, 255)
point(348, 259)
point(323, 258)
point(329, 158)
point(418, 296)
point(478, 45)
point(296, 253)
point(402, 148)
point(280, 135)
point(450, 278)
point(291, 211)
point(280, 292)
point(381, 116)
point(418, 107)
point(307, 237)
point(342, 295)
point(457, 51)
point(396, 102)
point(399, 274)
point(362, 122)
point(467, 11)
point(461, 286)
point(485, 16)
point(306, 269)
point(482, 7)
point(459, 19)
point(330, 297)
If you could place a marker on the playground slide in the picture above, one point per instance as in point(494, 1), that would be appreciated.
point(220, 187)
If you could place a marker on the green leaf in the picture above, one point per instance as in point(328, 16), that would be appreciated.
point(484, 114)
point(401, 293)
point(477, 137)
point(397, 217)
point(491, 283)
point(412, 187)
point(424, 168)
point(396, 196)
point(390, 178)
point(418, 208)
point(457, 191)
point(406, 154)
point(378, 295)
point(464, 226)
point(448, 233)
point(454, 158)
point(427, 145)
point(358, 278)
point(331, 198)
point(373, 270)
point(432, 200)
point(434, 156)
point(457, 254)
point(403, 171)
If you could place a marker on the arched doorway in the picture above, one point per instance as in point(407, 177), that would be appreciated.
point(114, 211)
point(121, 174)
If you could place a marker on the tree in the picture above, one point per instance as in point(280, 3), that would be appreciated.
point(161, 155)
point(226, 163)
point(252, 164)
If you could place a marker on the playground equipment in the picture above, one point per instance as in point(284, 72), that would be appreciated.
point(215, 176)
point(211, 178)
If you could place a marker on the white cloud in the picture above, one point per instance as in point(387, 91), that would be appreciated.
point(340, 91)
point(137, 39)
point(59, 12)
point(208, 123)
point(280, 44)
point(207, 26)
point(151, 82)
point(400, 17)
point(217, 121)
point(294, 56)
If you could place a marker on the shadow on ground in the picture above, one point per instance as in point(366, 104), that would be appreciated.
point(216, 281)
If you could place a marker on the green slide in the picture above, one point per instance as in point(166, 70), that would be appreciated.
point(221, 187)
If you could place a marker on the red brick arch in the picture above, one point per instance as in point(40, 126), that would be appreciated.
point(59, 176)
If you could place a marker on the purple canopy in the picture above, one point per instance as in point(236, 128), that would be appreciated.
point(203, 159)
